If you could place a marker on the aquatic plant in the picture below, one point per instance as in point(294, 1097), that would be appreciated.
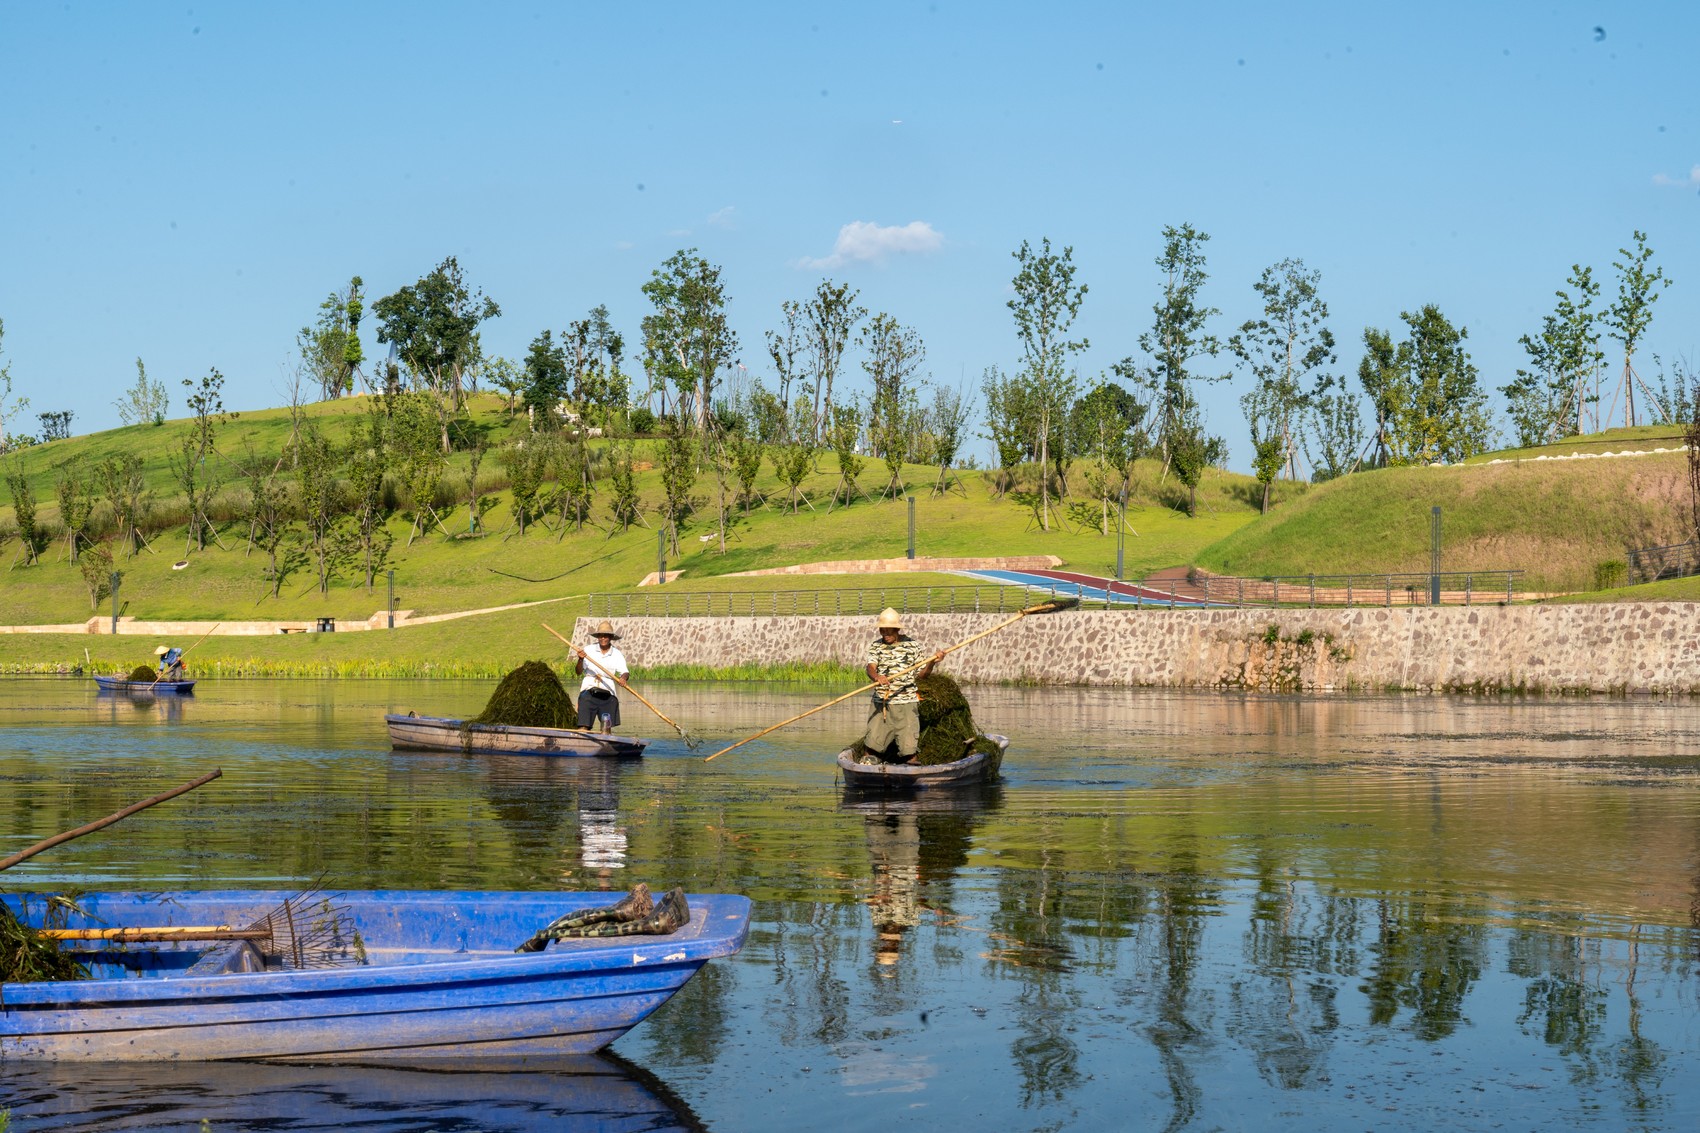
point(26, 956)
point(143, 673)
point(947, 725)
point(530, 697)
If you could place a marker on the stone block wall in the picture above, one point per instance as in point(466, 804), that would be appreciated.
point(1630, 647)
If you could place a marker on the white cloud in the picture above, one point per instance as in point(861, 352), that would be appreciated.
point(1691, 181)
point(862, 241)
point(678, 233)
point(722, 218)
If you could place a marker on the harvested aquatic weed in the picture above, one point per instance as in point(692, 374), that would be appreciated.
point(947, 725)
point(26, 956)
point(142, 673)
point(530, 697)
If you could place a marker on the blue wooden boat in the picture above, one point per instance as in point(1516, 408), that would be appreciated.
point(163, 688)
point(439, 980)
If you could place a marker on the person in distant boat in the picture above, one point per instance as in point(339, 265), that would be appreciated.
point(170, 663)
point(598, 705)
point(896, 713)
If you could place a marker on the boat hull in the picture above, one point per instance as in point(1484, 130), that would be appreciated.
point(158, 688)
point(443, 982)
point(977, 767)
point(440, 733)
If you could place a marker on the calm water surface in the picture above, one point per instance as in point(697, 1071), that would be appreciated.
point(1178, 911)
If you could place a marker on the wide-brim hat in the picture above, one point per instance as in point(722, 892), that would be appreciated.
point(889, 619)
point(605, 629)
point(162, 651)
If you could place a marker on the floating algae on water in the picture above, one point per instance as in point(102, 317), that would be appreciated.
point(142, 673)
point(947, 726)
point(530, 697)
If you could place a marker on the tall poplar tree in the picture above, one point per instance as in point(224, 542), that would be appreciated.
point(1045, 305)
point(1628, 318)
point(1285, 349)
point(1178, 333)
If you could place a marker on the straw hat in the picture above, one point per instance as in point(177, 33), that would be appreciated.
point(605, 629)
point(889, 619)
point(161, 651)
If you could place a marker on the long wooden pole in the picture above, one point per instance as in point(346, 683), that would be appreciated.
point(21, 855)
point(1042, 608)
point(690, 741)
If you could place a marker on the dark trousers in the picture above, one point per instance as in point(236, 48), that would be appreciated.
point(592, 703)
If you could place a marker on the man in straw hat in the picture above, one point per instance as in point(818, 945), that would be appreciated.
point(170, 663)
point(896, 711)
point(598, 706)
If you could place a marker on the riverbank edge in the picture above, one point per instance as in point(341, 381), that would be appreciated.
point(1626, 648)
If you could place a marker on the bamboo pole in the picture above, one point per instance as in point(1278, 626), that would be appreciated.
point(48, 844)
point(690, 740)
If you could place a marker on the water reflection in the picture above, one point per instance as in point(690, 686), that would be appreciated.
point(916, 844)
point(1188, 911)
point(131, 707)
point(587, 1094)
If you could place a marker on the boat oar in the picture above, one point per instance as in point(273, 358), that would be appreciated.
point(691, 741)
point(1050, 607)
point(161, 676)
point(21, 855)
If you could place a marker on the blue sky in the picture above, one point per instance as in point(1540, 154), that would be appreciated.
point(186, 182)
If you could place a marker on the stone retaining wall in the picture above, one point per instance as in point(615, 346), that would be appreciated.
point(1630, 647)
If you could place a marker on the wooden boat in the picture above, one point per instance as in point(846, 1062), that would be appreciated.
point(975, 767)
point(441, 980)
point(412, 732)
point(161, 688)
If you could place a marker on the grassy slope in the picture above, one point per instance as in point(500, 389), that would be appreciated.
point(440, 574)
point(1555, 520)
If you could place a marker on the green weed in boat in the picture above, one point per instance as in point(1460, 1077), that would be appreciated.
point(143, 673)
point(530, 697)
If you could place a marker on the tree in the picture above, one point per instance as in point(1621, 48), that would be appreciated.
point(189, 462)
point(330, 348)
point(1283, 348)
point(795, 456)
point(843, 431)
point(1105, 426)
point(895, 353)
point(746, 454)
point(1045, 305)
point(1177, 335)
point(545, 379)
point(413, 437)
point(574, 489)
point(1628, 318)
point(526, 459)
point(830, 317)
point(1336, 427)
point(368, 464)
point(9, 405)
point(1190, 453)
point(1008, 420)
point(146, 401)
point(76, 504)
point(1547, 399)
point(1429, 403)
point(678, 477)
point(97, 572)
point(125, 489)
point(508, 377)
point(320, 500)
point(688, 339)
point(1269, 455)
point(434, 326)
point(783, 347)
point(950, 428)
point(23, 510)
point(624, 507)
point(56, 425)
point(597, 387)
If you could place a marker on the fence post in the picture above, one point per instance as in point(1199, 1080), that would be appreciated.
point(1468, 579)
point(1348, 592)
point(1171, 593)
point(1389, 592)
point(1508, 588)
point(1313, 591)
point(1434, 557)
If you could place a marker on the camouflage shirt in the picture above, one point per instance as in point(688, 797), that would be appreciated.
point(888, 659)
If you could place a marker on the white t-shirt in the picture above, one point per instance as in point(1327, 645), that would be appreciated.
point(612, 661)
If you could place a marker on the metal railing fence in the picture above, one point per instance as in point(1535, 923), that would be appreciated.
point(1459, 588)
point(1676, 560)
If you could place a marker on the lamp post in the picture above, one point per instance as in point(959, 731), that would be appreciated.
point(661, 555)
point(911, 528)
point(1434, 557)
point(391, 607)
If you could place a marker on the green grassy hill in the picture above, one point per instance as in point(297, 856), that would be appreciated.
point(447, 571)
point(1556, 520)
